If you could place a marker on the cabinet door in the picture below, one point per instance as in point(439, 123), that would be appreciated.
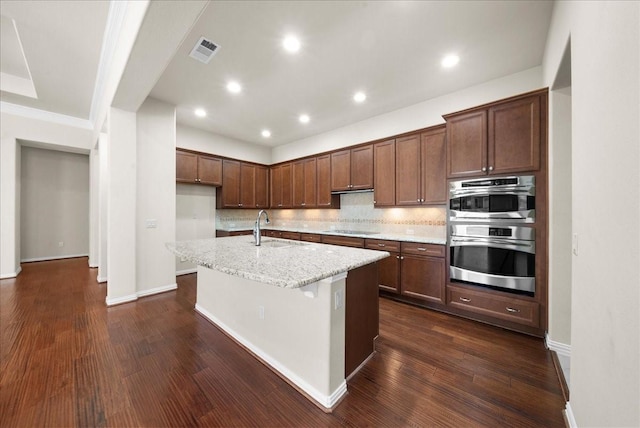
point(230, 192)
point(287, 191)
point(262, 187)
point(384, 167)
point(514, 136)
point(434, 159)
point(276, 187)
point(408, 170)
point(186, 167)
point(247, 185)
point(209, 170)
point(298, 184)
point(362, 168)
point(323, 180)
point(423, 278)
point(341, 170)
point(310, 193)
point(389, 273)
point(467, 144)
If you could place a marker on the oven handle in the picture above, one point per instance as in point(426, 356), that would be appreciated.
point(528, 247)
point(522, 190)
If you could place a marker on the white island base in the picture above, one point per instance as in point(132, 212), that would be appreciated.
point(298, 332)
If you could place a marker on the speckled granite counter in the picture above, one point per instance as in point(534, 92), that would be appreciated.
point(280, 262)
point(388, 236)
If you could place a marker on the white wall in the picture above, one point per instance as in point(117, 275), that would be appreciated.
point(54, 209)
point(155, 196)
point(195, 217)
point(103, 207)
point(121, 215)
point(605, 320)
point(94, 197)
point(207, 142)
point(421, 115)
point(560, 217)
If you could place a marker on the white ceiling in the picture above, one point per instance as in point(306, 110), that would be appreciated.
point(389, 49)
point(62, 41)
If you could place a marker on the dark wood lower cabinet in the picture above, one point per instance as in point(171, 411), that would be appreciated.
point(423, 277)
point(361, 316)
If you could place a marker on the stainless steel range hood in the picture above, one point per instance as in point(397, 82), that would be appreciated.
point(343, 192)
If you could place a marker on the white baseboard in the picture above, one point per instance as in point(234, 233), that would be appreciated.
point(42, 259)
point(560, 348)
point(143, 293)
point(186, 271)
point(568, 413)
point(101, 279)
point(326, 401)
point(157, 290)
point(121, 300)
point(12, 274)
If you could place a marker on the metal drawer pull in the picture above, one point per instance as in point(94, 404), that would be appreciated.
point(421, 249)
point(380, 245)
point(512, 310)
point(464, 299)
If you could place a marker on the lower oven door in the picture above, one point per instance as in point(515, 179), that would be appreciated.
point(495, 262)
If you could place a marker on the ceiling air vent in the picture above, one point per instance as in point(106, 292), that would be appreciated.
point(204, 50)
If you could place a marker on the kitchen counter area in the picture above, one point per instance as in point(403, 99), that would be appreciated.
point(309, 311)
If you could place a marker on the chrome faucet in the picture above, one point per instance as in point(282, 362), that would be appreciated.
point(256, 229)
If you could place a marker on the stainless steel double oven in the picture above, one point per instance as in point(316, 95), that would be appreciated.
point(491, 242)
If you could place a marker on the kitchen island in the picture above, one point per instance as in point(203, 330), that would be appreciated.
point(309, 311)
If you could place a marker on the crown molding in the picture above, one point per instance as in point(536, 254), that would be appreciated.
point(46, 116)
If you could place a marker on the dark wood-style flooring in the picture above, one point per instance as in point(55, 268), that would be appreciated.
point(68, 360)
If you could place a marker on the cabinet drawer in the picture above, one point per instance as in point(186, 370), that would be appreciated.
point(290, 235)
point(345, 241)
point(272, 233)
point(381, 244)
point(431, 250)
point(515, 310)
point(311, 237)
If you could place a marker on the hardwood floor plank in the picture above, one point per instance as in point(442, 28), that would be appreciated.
point(68, 360)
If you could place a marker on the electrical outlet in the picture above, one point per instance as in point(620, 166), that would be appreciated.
point(60, 244)
point(151, 223)
point(261, 312)
point(410, 231)
point(574, 244)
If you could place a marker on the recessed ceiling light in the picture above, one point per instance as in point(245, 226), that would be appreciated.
point(450, 60)
point(200, 112)
point(359, 97)
point(303, 118)
point(291, 44)
point(266, 133)
point(234, 87)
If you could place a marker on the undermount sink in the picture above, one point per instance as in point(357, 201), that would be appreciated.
point(274, 243)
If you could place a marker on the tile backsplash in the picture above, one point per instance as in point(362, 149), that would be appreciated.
point(356, 213)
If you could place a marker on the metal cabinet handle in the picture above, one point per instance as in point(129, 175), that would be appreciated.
point(421, 249)
point(401, 257)
point(464, 299)
point(398, 257)
point(512, 310)
point(484, 169)
point(381, 245)
point(374, 202)
point(239, 205)
point(490, 168)
point(303, 204)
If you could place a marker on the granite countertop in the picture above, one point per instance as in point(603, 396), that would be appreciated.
point(387, 236)
point(280, 262)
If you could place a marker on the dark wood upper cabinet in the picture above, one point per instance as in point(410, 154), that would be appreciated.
point(514, 136)
point(384, 166)
point(201, 169)
point(323, 181)
point(281, 186)
point(407, 170)
point(229, 195)
point(501, 138)
point(304, 183)
point(245, 185)
point(420, 168)
point(262, 186)
point(352, 169)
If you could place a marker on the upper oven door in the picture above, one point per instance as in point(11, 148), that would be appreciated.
point(510, 199)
